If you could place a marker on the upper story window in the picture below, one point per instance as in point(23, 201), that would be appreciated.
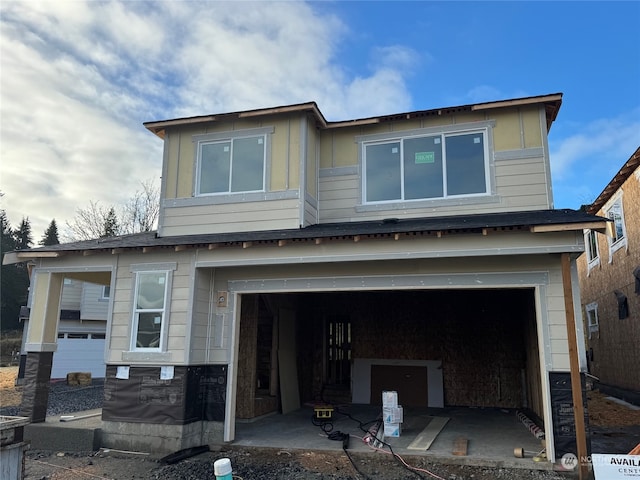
point(430, 166)
point(591, 247)
point(618, 236)
point(232, 162)
point(150, 310)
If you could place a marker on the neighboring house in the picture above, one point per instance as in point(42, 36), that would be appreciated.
point(81, 330)
point(298, 259)
point(610, 285)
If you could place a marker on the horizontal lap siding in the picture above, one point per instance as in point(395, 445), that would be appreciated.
point(93, 306)
point(178, 316)
point(236, 217)
point(338, 197)
point(71, 295)
point(520, 184)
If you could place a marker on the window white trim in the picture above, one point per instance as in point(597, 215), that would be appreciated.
point(618, 238)
point(157, 338)
point(106, 292)
point(440, 136)
point(263, 136)
point(591, 249)
point(592, 317)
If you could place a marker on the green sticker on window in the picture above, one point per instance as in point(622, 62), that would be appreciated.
point(425, 157)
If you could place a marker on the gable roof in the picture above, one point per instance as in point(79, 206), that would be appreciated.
point(533, 221)
point(616, 182)
point(551, 102)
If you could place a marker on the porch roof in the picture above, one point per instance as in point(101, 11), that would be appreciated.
point(537, 221)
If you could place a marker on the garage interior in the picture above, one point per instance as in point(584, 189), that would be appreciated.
point(478, 347)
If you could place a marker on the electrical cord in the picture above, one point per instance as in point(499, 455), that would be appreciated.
point(327, 428)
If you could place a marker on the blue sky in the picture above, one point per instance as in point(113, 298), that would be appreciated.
point(78, 79)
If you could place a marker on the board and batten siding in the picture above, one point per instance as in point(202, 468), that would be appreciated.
point(292, 141)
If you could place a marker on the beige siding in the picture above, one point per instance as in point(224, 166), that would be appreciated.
point(532, 128)
point(179, 322)
point(233, 217)
point(93, 306)
point(311, 172)
point(203, 318)
point(520, 184)
point(552, 317)
point(71, 296)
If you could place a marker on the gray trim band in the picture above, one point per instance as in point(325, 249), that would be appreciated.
point(226, 199)
point(338, 171)
point(519, 154)
point(478, 280)
point(435, 203)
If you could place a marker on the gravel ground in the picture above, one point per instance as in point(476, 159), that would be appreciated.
point(64, 399)
point(262, 464)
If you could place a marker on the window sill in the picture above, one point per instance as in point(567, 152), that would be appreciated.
point(141, 356)
point(436, 203)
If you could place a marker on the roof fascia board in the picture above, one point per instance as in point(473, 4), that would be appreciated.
point(565, 227)
point(17, 257)
point(576, 248)
point(556, 97)
point(158, 126)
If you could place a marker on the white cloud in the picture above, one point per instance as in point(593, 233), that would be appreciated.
point(79, 78)
point(604, 141)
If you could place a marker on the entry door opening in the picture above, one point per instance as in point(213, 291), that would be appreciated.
point(338, 352)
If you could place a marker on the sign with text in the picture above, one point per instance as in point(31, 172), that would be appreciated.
point(614, 467)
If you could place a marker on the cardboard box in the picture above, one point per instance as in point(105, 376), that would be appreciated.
point(393, 414)
point(389, 398)
point(392, 429)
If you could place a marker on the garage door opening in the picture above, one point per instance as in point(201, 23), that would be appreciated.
point(479, 347)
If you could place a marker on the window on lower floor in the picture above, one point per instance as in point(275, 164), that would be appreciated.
point(592, 317)
point(432, 166)
point(149, 311)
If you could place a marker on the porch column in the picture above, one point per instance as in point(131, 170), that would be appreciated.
point(41, 343)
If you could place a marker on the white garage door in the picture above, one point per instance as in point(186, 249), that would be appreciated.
point(79, 352)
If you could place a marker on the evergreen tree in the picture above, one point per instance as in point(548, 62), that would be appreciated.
point(14, 280)
point(111, 228)
point(24, 239)
point(50, 236)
